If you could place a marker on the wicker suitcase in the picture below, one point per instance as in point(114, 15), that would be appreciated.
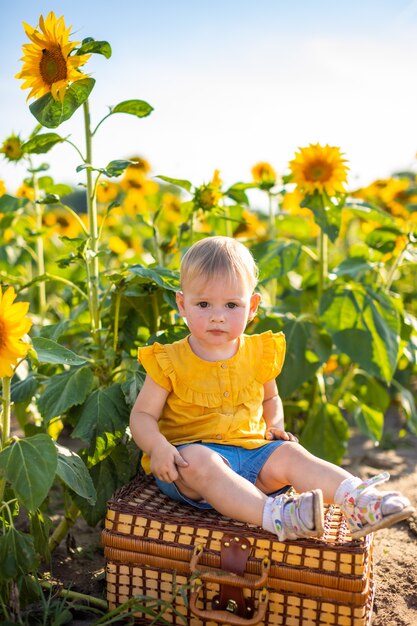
point(194, 567)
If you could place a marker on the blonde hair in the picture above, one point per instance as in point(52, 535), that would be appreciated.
point(219, 256)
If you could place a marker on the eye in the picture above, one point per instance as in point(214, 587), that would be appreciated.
point(203, 305)
point(231, 305)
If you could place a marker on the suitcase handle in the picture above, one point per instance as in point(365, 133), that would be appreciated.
point(225, 617)
point(222, 577)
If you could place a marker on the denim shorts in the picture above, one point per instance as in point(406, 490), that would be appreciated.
point(246, 463)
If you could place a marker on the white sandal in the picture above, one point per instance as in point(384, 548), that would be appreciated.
point(296, 529)
point(366, 519)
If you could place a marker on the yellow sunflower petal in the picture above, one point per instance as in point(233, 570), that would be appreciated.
point(319, 168)
point(13, 327)
point(48, 66)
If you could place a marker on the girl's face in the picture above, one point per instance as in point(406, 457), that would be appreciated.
point(217, 310)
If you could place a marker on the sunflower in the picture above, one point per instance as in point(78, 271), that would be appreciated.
point(26, 191)
point(13, 326)
point(134, 179)
point(12, 148)
point(318, 168)
point(107, 191)
point(141, 164)
point(264, 174)
point(47, 64)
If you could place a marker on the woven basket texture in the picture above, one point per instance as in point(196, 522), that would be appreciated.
point(149, 541)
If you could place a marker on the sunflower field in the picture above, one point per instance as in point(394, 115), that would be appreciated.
point(88, 276)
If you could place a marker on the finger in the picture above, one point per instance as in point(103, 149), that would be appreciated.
point(179, 461)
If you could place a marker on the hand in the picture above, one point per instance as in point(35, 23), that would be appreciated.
point(277, 433)
point(165, 459)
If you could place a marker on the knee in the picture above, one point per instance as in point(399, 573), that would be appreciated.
point(201, 464)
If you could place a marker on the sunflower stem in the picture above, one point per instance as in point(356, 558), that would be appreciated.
point(116, 319)
point(40, 252)
point(323, 263)
point(5, 422)
point(63, 527)
point(92, 250)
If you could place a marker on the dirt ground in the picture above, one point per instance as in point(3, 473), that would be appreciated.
point(80, 565)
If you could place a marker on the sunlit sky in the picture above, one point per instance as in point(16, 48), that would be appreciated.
point(232, 82)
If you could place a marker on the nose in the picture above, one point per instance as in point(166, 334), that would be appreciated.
point(217, 315)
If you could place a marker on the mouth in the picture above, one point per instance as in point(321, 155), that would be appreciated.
point(216, 332)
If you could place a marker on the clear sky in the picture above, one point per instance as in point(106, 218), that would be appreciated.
point(232, 82)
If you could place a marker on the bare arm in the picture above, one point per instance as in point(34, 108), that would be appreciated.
point(273, 413)
point(145, 431)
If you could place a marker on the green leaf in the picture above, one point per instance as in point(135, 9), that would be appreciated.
point(184, 184)
point(50, 351)
point(30, 465)
point(65, 391)
point(104, 413)
point(370, 421)
point(160, 275)
point(276, 258)
point(10, 204)
point(308, 347)
point(356, 267)
point(51, 113)
point(107, 476)
point(73, 472)
point(370, 212)
point(140, 108)
point(90, 46)
point(408, 404)
point(42, 143)
point(326, 433)
point(327, 215)
point(383, 239)
point(49, 198)
point(365, 325)
point(237, 194)
point(115, 168)
point(23, 390)
point(40, 525)
point(17, 554)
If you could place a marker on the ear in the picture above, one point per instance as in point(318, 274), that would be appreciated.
point(179, 298)
point(254, 303)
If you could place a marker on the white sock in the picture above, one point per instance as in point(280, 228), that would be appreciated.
point(306, 513)
point(267, 523)
point(345, 488)
point(392, 502)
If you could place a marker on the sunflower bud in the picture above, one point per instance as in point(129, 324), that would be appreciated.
point(12, 148)
point(207, 197)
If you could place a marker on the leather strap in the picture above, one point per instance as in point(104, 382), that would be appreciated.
point(234, 554)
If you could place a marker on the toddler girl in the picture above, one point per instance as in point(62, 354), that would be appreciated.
point(209, 419)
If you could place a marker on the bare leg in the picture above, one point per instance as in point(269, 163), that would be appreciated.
point(291, 464)
point(208, 477)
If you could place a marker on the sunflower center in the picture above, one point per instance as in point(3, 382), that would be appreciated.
point(318, 170)
point(53, 65)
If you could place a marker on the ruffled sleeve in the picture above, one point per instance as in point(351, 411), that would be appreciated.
point(272, 356)
point(157, 364)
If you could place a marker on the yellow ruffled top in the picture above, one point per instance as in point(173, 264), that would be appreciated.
point(214, 401)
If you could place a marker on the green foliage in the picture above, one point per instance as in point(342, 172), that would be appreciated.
point(29, 465)
point(51, 113)
point(40, 144)
point(139, 108)
point(365, 325)
point(326, 433)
